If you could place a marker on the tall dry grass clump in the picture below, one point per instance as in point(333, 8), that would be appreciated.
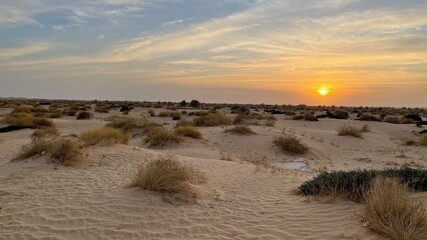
point(67, 152)
point(290, 144)
point(212, 119)
point(348, 130)
point(166, 174)
point(158, 136)
point(104, 136)
point(390, 211)
point(240, 130)
point(64, 151)
point(27, 120)
point(131, 125)
point(188, 131)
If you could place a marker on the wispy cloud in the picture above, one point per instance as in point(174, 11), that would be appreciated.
point(261, 43)
point(8, 53)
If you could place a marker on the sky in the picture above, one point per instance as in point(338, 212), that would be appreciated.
point(366, 53)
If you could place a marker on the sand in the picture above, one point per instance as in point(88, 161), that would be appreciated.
point(40, 200)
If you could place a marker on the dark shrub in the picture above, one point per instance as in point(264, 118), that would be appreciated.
point(84, 115)
point(195, 104)
point(354, 184)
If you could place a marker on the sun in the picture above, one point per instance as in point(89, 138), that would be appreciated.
point(323, 91)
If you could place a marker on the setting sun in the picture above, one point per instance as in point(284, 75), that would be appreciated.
point(323, 91)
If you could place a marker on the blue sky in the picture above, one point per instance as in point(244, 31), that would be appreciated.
point(258, 51)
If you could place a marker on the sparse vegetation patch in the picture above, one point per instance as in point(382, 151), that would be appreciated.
point(167, 174)
point(290, 144)
point(104, 136)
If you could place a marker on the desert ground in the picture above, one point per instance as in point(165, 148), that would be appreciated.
point(249, 191)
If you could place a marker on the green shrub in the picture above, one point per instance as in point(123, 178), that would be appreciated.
point(212, 119)
point(290, 144)
point(354, 184)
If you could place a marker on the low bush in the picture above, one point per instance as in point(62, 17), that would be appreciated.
point(290, 144)
point(27, 120)
point(84, 115)
point(354, 184)
point(62, 151)
point(48, 132)
point(166, 174)
point(184, 123)
point(163, 114)
point(212, 119)
point(188, 131)
point(391, 119)
point(368, 117)
point(20, 119)
point(104, 136)
point(43, 122)
point(240, 130)
point(407, 121)
point(348, 130)
point(135, 126)
point(158, 136)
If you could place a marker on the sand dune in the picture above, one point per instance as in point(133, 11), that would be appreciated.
point(39, 200)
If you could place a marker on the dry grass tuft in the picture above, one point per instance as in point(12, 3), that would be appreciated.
point(134, 126)
point(184, 123)
point(63, 151)
point(20, 119)
point(188, 131)
point(390, 211)
point(291, 144)
point(104, 136)
point(67, 152)
point(157, 137)
point(212, 119)
point(365, 128)
point(166, 174)
point(423, 140)
point(240, 130)
point(348, 130)
point(49, 132)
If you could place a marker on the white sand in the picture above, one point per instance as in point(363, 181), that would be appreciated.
point(39, 200)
